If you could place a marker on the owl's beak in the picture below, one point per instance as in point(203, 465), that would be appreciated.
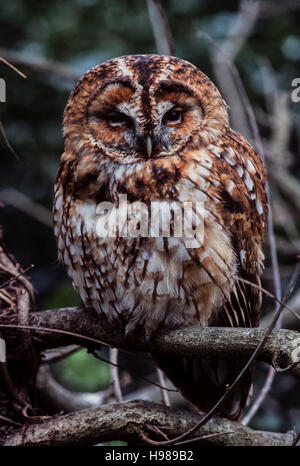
point(149, 145)
point(145, 144)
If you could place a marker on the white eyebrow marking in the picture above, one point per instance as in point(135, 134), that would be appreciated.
point(163, 106)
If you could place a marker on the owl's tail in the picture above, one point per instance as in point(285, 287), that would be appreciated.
point(203, 382)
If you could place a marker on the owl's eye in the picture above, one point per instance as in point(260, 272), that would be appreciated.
point(119, 119)
point(173, 116)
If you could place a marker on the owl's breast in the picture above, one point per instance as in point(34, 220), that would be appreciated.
point(149, 278)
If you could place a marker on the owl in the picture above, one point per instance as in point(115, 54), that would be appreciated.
point(155, 129)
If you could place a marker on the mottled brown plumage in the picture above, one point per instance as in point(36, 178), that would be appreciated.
point(151, 283)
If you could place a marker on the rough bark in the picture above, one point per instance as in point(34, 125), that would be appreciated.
point(279, 349)
point(128, 421)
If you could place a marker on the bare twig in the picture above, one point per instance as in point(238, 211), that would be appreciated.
point(50, 356)
point(271, 295)
point(55, 331)
point(15, 277)
point(9, 421)
point(51, 391)
point(222, 60)
point(12, 150)
point(7, 382)
point(164, 394)
point(296, 440)
point(274, 8)
point(162, 33)
point(241, 29)
point(48, 67)
point(115, 374)
point(277, 289)
point(25, 204)
point(118, 366)
point(13, 68)
point(65, 400)
point(276, 277)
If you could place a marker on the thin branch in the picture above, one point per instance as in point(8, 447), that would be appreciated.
point(28, 206)
point(13, 68)
point(220, 59)
point(9, 421)
point(62, 399)
point(275, 8)
point(118, 366)
point(296, 440)
point(59, 397)
point(56, 331)
point(271, 295)
point(15, 277)
point(53, 356)
point(256, 404)
point(161, 380)
point(47, 66)
point(115, 374)
point(266, 388)
point(10, 147)
point(240, 123)
point(242, 28)
point(161, 30)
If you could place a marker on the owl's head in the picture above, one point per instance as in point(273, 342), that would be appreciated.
point(138, 107)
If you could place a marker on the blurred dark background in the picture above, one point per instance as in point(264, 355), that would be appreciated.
point(52, 42)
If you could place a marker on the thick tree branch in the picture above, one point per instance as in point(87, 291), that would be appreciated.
point(279, 350)
point(127, 421)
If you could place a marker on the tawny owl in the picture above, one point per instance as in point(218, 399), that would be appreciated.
point(155, 128)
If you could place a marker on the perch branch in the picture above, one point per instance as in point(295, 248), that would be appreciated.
point(190, 341)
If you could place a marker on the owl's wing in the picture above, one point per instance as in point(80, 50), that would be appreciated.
point(242, 190)
point(243, 213)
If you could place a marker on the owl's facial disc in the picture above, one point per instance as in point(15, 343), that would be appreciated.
point(119, 120)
